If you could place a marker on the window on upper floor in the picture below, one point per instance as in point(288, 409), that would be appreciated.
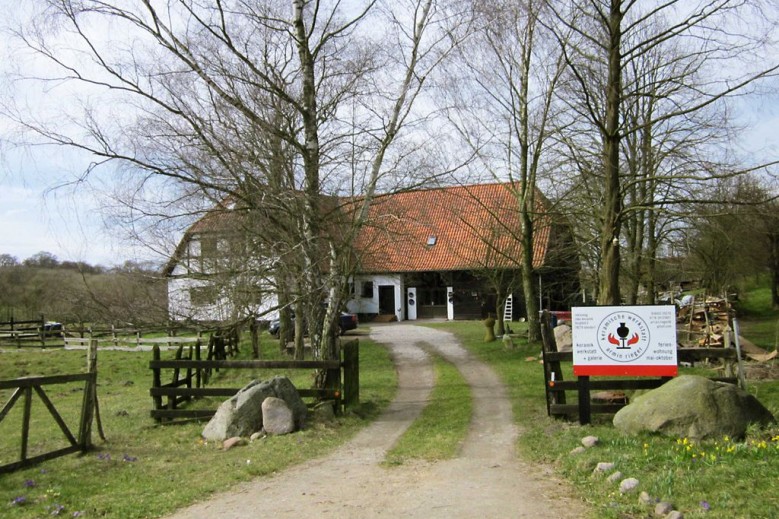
point(208, 253)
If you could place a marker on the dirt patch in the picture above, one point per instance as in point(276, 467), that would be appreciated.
point(485, 480)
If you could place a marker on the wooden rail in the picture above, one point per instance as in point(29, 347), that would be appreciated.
point(192, 384)
point(24, 389)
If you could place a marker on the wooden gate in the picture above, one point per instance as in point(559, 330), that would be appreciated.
point(24, 389)
point(189, 379)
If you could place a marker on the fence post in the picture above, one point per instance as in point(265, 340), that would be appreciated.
point(198, 371)
point(156, 380)
point(26, 421)
point(552, 370)
point(90, 398)
point(42, 331)
point(351, 366)
point(585, 410)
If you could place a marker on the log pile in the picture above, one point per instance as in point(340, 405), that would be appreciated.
point(706, 323)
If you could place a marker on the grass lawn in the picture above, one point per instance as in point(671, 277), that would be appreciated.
point(144, 469)
point(720, 479)
point(147, 470)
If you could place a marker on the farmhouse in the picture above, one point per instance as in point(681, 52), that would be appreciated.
point(431, 253)
point(427, 253)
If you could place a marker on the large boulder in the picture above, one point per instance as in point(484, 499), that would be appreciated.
point(693, 407)
point(241, 415)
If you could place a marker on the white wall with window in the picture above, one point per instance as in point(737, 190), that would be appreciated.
point(377, 294)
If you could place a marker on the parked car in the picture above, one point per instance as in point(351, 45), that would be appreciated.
point(52, 329)
point(346, 322)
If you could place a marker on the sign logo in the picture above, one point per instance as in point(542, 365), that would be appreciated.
point(623, 336)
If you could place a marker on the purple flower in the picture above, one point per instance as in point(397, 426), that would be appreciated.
point(57, 509)
point(19, 501)
point(705, 505)
point(102, 456)
point(129, 458)
point(29, 483)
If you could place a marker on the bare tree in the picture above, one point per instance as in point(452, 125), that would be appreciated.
point(278, 107)
point(613, 35)
point(504, 113)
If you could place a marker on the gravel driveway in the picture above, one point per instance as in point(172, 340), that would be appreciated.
point(485, 481)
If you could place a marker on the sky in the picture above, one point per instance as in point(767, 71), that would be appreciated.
point(37, 214)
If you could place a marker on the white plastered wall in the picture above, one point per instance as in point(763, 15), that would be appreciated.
point(370, 305)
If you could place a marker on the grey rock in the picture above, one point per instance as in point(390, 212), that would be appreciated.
point(563, 337)
point(603, 466)
point(277, 416)
point(590, 441)
point(693, 407)
point(645, 499)
point(241, 415)
point(285, 390)
point(614, 477)
point(628, 485)
point(232, 442)
point(675, 514)
point(577, 450)
point(663, 508)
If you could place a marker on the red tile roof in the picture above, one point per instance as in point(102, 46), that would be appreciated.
point(475, 227)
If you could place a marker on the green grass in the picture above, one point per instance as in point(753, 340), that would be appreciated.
point(174, 468)
point(737, 484)
point(439, 432)
point(144, 469)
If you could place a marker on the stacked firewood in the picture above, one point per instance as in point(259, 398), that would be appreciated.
point(706, 323)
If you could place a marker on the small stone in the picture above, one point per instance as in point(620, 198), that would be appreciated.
point(256, 436)
point(578, 450)
point(645, 499)
point(530, 359)
point(676, 514)
point(628, 485)
point(232, 442)
point(604, 466)
point(614, 477)
point(663, 508)
point(590, 441)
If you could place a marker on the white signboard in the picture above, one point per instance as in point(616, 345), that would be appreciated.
point(624, 341)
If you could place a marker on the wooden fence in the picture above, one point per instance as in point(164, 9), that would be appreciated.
point(190, 375)
point(557, 403)
point(24, 388)
point(35, 332)
point(222, 342)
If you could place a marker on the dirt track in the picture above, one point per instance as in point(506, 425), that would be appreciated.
point(486, 480)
